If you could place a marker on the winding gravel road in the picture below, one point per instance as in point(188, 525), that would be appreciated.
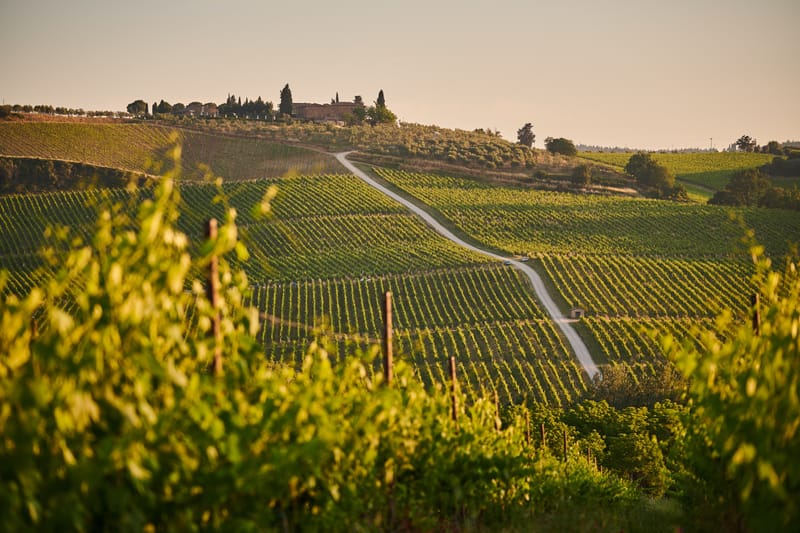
point(578, 347)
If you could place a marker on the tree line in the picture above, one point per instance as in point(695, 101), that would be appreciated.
point(8, 109)
point(261, 109)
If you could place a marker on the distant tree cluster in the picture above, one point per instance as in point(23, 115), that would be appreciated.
point(234, 107)
point(373, 115)
point(379, 113)
point(655, 177)
point(8, 109)
point(784, 166)
point(751, 187)
point(745, 143)
point(137, 108)
point(560, 146)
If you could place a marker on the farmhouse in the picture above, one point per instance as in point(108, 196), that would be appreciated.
point(336, 112)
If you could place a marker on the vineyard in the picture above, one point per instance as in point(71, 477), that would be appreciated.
point(710, 170)
point(135, 147)
point(636, 266)
point(332, 248)
point(115, 416)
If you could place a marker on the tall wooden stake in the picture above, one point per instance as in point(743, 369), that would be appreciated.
point(387, 338)
point(544, 442)
point(212, 292)
point(497, 422)
point(527, 428)
point(453, 389)
point(755, 300)
point(565, 445)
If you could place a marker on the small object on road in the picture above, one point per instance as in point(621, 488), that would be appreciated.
point(525, 259)
point(506, 262)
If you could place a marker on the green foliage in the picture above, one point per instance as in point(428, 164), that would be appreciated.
point(635, 265)
point(629, 444)
point(751, 187)
point(137, 108)
point(746, 187)
point(285, 107)
point(525, 135)
point(581, 176)
point(560, 145)
point(781, 166)
point(711, 170)
point(774, 148)
point(745, 143)
point(109, 418)
point(378, 114)
point(746, 410)
point(616, 387)
point(650, 174)
point(162, 107)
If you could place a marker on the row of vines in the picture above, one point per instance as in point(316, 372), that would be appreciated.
point(330, 251)
point(640, 269)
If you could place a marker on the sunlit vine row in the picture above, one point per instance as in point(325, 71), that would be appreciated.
point(529, 221)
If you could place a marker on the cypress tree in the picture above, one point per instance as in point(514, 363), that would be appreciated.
point(285, 107)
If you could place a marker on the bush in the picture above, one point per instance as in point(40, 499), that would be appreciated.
point(560, 146)
point(744, 420)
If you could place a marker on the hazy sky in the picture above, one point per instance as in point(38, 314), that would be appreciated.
point(638, 73)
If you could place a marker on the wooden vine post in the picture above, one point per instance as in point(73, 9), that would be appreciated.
point(755, 300)
point(527, 428)
point(387, 338)
point(453, 389)
point(497, 422)
point(212, 292)
point(544, 442)
point(565, 445)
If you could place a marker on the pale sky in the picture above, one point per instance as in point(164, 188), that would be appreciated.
point(638, 73)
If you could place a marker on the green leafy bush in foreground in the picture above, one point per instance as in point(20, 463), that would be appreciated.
point(110, 420)
point(744, 426)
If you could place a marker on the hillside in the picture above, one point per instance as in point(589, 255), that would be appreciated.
point(423, 147)
point(333, 246)
point(635, 266)
point(136, 146)
point(702, 173)
point(315, 272)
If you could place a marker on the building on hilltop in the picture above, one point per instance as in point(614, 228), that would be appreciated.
point(196, 109)
point(334, 112)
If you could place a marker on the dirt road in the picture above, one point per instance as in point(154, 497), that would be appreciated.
point(575, 341)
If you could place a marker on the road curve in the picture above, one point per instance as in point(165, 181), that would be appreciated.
point(575, 341)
